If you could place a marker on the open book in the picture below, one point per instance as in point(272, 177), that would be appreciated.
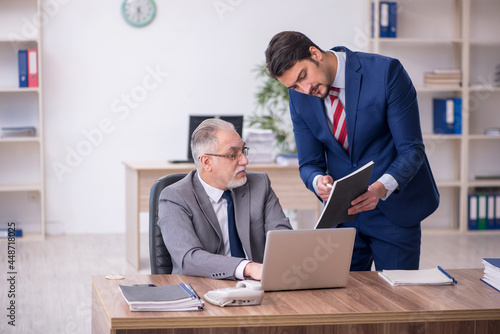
point(344, 191)
point(180, 297)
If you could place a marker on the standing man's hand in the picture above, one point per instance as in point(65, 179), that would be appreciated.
point(369, 200)
point(323, 189)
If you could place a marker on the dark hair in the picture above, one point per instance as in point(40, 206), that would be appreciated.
point(285, 49)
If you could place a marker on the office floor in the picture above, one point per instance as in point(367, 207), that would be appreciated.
point(53, 287)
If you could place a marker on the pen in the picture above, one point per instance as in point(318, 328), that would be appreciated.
point(192, 290)
point(329, 185)
point(188, 290)
point(447, 275)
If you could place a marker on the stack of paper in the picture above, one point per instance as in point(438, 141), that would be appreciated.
point(287, 160)
point(178, 297)
point(433, 276)
point(443, 77)
point(261, 144)
point(492, 273)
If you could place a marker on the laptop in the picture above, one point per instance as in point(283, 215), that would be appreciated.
point(307, 259)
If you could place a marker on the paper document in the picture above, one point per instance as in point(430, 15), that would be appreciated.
point(432, 276)
point(180, 297)
point(344, 191)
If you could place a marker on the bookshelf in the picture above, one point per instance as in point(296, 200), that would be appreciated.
point(22, 190)
point(452, 34)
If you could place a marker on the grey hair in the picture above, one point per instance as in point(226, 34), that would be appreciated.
point(204, 138)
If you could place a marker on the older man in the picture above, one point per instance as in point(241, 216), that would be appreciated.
point(214, 221)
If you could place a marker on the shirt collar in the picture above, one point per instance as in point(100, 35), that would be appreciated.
point(339, 80)
point(215, 194)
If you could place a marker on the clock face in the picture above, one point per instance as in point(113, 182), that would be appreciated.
point(138, 12)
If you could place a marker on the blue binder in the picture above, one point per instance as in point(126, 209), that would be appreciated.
point(472, 212)
point(490, 215)
point(482, 210)
point(497, 211)
point(448, 115)
point(22, 57)
point(388, 19)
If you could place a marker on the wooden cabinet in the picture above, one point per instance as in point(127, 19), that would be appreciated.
point(461, 34)
point(22, 192)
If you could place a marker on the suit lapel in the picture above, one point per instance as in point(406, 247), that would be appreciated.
point(207, 208)
point(352, 88)
point(316, 114)
point(242, 216)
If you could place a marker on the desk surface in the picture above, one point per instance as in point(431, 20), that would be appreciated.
point(367, 299)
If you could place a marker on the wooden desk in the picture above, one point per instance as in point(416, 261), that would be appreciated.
point(367, 305)
point(140, 176)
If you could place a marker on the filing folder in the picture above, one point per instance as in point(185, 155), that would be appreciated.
point(22, 59)
point(388, 19)
point(497, 211)
point(32, 68)
point(472, 212)
point(447, 115)
point(490, 216)
point(482, 209)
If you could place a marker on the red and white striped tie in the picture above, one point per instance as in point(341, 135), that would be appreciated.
point(339, 122)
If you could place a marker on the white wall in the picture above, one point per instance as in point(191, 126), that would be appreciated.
point(97, 84)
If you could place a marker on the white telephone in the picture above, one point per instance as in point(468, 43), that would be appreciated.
point(248, 292)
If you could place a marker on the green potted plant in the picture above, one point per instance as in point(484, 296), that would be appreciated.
point(272, 111)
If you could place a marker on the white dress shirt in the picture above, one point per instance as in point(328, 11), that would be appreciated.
point(219, 204)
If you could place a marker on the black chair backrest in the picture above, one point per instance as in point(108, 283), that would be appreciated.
point(159, 257)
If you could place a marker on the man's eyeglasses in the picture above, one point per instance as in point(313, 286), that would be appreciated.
point(232, 156)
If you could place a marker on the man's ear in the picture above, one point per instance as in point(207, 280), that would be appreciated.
point(206, 162)
point(316, 54)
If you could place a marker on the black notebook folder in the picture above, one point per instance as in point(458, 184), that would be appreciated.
point(179, 297)
point(344, 191)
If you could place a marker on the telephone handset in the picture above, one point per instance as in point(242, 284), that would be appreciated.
point(248, 292)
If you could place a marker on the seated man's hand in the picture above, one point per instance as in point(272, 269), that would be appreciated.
point(253, 270)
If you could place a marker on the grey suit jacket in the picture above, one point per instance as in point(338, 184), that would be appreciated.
point(192, 232)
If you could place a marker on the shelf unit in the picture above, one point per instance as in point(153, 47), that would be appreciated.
point(22, 189)
point(452, 34)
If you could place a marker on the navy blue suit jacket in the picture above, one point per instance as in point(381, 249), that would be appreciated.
point(382, 125)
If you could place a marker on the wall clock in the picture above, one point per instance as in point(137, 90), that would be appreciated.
point(138, 12)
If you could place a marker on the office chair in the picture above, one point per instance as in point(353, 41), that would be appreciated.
point(159, 257)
